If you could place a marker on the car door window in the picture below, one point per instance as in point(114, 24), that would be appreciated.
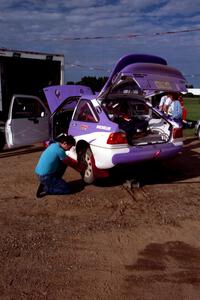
point(85, 113)
point(27, 108)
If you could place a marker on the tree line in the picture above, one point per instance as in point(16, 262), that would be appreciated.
point(95, 83)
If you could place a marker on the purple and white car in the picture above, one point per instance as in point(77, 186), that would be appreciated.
point(119, 125)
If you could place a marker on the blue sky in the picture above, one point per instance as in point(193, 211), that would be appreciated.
point(55, 26)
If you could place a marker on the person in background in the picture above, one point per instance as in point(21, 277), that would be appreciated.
point(162, 103)
point(175, 109)
point(168, 102)
point(184, 110)
point(52, 165)
point(186, 123)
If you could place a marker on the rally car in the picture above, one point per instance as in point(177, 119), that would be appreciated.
point(119, 125)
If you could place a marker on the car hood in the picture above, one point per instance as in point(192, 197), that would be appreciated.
point(150, 74)
point(55, 95)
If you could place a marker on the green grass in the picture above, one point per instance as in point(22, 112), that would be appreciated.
point(193, 112)
point(193, 108)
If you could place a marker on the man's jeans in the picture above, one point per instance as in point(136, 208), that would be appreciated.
point(54, 184)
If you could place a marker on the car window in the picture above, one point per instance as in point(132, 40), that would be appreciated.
point(118, 107)
point(26, 108)
point(85, 112)
point(128, 88)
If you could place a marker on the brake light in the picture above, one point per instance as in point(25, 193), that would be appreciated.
point(177, 133)
point(117, 138)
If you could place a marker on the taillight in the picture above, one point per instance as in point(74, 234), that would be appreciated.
point(177, 133)
point(117, 138)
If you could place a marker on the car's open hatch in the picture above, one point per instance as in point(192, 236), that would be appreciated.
point(144, 74)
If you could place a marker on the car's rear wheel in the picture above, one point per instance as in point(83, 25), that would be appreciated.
point(88, 159)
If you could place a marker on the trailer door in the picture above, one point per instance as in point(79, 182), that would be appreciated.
point(28, 121)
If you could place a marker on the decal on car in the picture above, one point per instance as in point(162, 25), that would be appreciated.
point(84, 127)
point(103, 127)
point(163, 84)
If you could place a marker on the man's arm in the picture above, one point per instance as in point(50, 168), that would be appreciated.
point(74, 164)
point(167, 105)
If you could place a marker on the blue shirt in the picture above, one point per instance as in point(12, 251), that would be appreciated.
point(50, 160)
point(176, 110)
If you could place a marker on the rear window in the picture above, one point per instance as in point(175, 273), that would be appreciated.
point(125, 107)
point(127, 88)
point(85, 112)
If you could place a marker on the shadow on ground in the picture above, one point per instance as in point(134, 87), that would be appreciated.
point(76, 186)
point(172, 262)
point(183, 167)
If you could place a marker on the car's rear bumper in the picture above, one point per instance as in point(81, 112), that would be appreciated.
point(108, 158)
point(148, 153)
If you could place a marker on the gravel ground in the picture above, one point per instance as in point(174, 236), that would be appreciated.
point(111, 240)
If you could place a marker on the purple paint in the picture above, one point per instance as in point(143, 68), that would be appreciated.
point(75, 126)
point(147, 152)
point(131, 59)
point(150, 72)
point(55, 95)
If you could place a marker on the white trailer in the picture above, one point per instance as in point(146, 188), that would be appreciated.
point(23, 75)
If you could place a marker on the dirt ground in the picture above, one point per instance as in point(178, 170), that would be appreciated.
point(104, 241)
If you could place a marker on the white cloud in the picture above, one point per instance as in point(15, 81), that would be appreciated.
point(45, 25)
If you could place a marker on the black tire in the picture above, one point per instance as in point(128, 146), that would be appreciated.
point(2, 140)
point(88, 159)
point(198, 133)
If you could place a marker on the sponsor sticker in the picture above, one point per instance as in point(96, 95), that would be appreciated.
point(83, 127)
point(164, 85)
point(103, 127)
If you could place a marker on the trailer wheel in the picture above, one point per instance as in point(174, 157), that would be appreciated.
point(2, 140)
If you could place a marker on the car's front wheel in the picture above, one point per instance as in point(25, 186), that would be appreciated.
point(88, 159)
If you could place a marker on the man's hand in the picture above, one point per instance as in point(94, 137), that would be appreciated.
point(83, 166)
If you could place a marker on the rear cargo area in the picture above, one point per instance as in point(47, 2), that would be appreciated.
point(142, 125)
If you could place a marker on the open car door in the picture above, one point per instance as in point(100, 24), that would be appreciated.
point(57, 94)
point(28, 121)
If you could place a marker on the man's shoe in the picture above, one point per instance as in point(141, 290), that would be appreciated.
point(40, 192)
